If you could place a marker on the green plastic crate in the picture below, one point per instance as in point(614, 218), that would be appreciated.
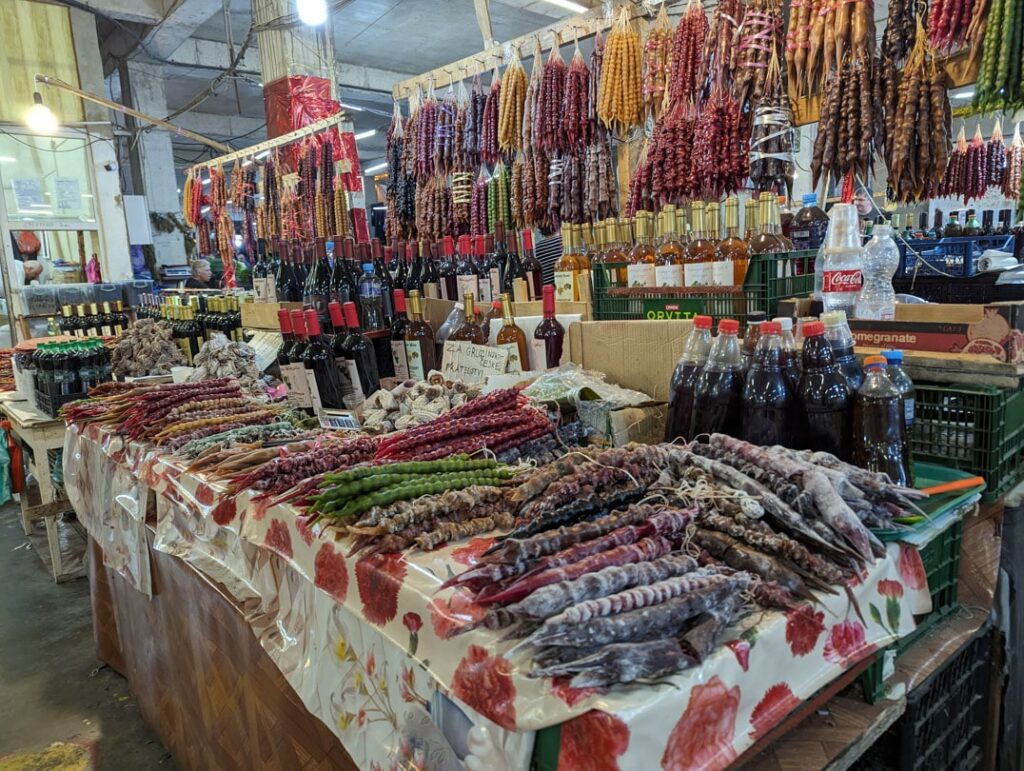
point(770, 278)
point(974, 428)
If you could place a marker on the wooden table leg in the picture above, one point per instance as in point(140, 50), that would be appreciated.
point(26, 523)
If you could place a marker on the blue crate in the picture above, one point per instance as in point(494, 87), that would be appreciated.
point(957, 257)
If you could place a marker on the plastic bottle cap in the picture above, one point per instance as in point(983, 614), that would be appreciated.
point(893, 357)
point(771, 328)
point(702, 322)
point(785, 322)
point(809, 199)
point(874, 361)
point(833, 318)
point(367, 268)
point(728, 326)
point(755, 316)
point(812, 328)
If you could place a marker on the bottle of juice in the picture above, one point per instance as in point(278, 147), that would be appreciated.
point(754, 321)
point(769, 405)
point(718, 394)
point(838, 334)
point(903, 383)
point(790, 354)
point(684, 379)
point(879, 434)
point(825, 395)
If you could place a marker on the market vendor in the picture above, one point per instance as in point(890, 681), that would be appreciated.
point(201, 275)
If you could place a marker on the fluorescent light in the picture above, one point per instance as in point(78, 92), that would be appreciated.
point(86, 195)
point(311, 12)
point(247, 163)
point(351, 107)
point(206, 181)
point(375, 167)
point(179, 189)
point(569, 5)
point(964, 94)
point(365, 134)
point(261, 156)
point(7, 159)
point(204, 210)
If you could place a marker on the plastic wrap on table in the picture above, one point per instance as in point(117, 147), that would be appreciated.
point(571, 383)
point(387, 612)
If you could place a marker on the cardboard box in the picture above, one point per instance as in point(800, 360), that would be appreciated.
point(633, 354)
point(995, 331)
point(264, 315)
point(535, 308)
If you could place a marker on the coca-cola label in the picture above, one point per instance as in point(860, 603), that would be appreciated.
point(843, 281)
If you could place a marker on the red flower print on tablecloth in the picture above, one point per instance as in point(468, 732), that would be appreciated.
point(845, 643)
point(448, 614)
point(379, 577)
point(703, 736)
point(803, 627)
point(279, 539)
point(911, 568)
point(330, 573)
point(887, 587)
point(592, 742)
point(571, 696)
point(484, 682)
point(205, 495)
point(741, 649)
point(371, 664)
point(304, 529)
point(470, 553)
point(414, 624)
point(777, 702)
point(224, 511)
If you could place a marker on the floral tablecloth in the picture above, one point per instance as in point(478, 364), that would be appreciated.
point(364, 640)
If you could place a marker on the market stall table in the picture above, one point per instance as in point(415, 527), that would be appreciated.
point(41, 435)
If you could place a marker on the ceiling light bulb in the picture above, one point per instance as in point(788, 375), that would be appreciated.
point(569, 5)
point(40, 118)
point(311, 12)
point(365, 134)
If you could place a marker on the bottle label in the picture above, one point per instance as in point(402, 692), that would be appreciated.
point(641, 275)
point(414, 360)
point(467, 284)
point(294, 376)
point(539, 354)
point(721, 273)
point(668, 275)
point(430, 289)
point(495, 275)
point(697, 274)
point(842, 281)
point(908, 412)
point(565, 286)
point(314, 391)
point(513, 364)
point(265, 290)
point(399, 359)
point(486, 295)
point(352, 391)
point(443, 289)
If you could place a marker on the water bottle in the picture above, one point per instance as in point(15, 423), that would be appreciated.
point(844, 260)
point(877, 299)
point(371, 299)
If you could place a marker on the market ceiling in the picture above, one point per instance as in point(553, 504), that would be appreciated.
point(377, 43)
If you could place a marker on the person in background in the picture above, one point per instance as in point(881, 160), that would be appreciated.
point(547, 251)
point(201, 275)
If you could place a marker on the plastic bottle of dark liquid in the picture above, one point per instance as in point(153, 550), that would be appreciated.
point(769, 403)
point(879, 435)
point(903, 383)
point(684, 379)
point(838, 334)
point(717, 397)
point(754, 321)
point(790, 352)
point(825, 395)
point(809, 224)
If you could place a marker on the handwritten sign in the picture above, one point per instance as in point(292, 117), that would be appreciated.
point(28, 195)
point(69, 194)
point(472, 363)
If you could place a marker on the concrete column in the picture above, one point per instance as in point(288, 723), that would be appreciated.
point(115, 260)
point(156, 156)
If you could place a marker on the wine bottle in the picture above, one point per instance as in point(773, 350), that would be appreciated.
point(325, 387)
point(294, 372)
point(431, 279)
point(514, 270)
point(549, 335)
point(500, 254)
point(317, 292)
point(414, 256)
point(419, 341)
point(262, 280)
point(468, 330)
point(299, 328)
point(513, 338)
point(339, 288)
point(360, 359)
point(386, 282)
point(446, 272)
point(284, 321)
point(399, 326)
point(493, 266)
point(486, 293)
point(399, 265)
point(534, 270)
point(466, 276)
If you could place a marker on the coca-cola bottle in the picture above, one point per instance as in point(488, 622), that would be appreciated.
point(684, 379)
point(769, 405)
point(719, 390)
point(844, 260)
point(879, 433)
point(837, 332)
point(825, 395)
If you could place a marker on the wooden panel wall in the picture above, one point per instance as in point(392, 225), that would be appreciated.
point(36, 37)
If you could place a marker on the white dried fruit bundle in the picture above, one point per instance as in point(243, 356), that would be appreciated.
point(411, 403)
point(147, 348)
